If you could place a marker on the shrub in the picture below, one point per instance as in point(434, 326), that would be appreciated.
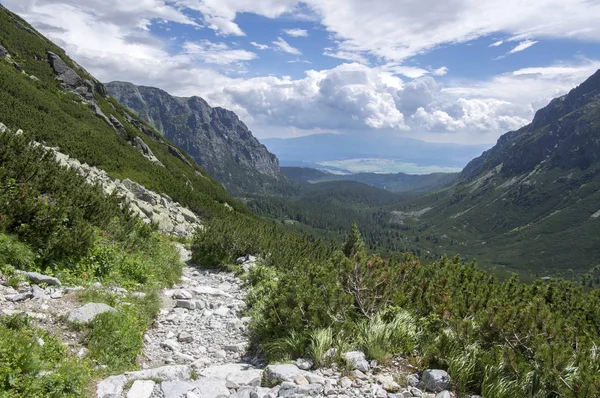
point(15, 254)
point(115, 340)
point(31, 369)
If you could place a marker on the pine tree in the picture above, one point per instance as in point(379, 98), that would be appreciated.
point(355, 243)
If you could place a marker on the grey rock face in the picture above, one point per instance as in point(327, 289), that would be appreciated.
point(3, 52)
point(169, 216)
point(436, 380)
point(88, 312)
point(215, 137)
point(145, 150)
point(37, 278)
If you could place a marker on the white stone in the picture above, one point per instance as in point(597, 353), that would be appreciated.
point(171, 372)
point(88, 312)
point(111, 387)
point(175, 388)
point(141, 389)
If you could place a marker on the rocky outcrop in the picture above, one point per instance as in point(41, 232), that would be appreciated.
point(3, 52)
point(145, 150)
point(215, 137)
point(169, 216)
point(69, 79)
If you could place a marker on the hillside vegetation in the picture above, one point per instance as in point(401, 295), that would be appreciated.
point(53, 222)
point(529, 204)
point(497, 339)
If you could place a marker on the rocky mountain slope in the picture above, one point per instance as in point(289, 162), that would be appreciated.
point(215, 137)
point(530, 203)
point(56, 102)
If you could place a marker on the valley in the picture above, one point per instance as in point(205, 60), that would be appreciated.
point(152, 247)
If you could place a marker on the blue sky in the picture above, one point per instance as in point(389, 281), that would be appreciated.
point(461, 71)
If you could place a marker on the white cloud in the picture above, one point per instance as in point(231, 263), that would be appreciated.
point(110, 38)
point(296, 32)
point(440, 71)
point(524, 45)
point(347, 55)
point(496, 44)
point(284, 46)
point(221, 14)
point(396, 30)
point(260, 46)
point(217, 53)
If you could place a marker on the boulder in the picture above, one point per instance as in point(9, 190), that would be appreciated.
point(436, 380)
point(141, 389)
point(185, 337)
point(304, 363)
point(278, 373)
point(38, 278)
point(211, 291)
point(175, 388)
point(357, 360)
point(239, 373)
point(111, 387)
point(187, 304)
point(88, 312)
point(3, 52)
point(444, 394)
point(182, 294)
point(211, 388)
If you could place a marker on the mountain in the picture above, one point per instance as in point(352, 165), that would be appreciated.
point(57, 102)
point(529, 204)
point(215, 137)
point(396, 182)
point(372, 153)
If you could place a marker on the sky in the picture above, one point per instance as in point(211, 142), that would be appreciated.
point(460, 71)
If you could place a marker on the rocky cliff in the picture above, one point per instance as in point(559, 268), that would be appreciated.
point(215, 137)
point(563, 134)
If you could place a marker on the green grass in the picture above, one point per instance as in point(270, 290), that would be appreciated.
point(33, 363)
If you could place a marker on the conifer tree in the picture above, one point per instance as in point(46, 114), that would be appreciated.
point(354, 243)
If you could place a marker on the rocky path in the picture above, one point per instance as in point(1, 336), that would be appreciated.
point(198, 348)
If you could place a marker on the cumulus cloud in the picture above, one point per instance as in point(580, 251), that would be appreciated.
point(282, 45)
point(113, 40)
point(440, 71)
point(296, 32)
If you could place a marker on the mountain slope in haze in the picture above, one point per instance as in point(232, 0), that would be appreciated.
point(215, 137)
point(329, 149)
point(55, 101)
point(397, 182)
point(532, 202)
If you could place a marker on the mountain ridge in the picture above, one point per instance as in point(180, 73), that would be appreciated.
point(215, 137)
